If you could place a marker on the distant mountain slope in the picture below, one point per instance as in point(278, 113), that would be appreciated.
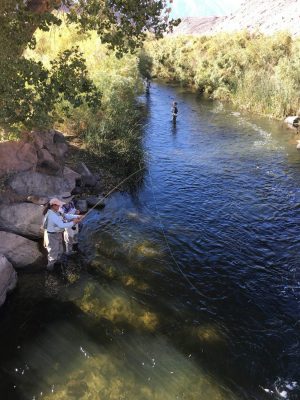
point(267, 16)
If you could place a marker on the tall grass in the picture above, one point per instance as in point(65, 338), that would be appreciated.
point(256, 72)
point(112, 132)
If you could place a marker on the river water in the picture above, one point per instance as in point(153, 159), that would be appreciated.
point(192, 285)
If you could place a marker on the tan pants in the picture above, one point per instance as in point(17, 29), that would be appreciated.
point(70, 238)
point(54, 247)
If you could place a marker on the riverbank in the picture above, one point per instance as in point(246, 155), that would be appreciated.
point(40, 166)
point(254, 72)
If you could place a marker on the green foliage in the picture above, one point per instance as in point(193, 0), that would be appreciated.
point(29, 100)
point(145, 64)
point(30, 90)
point(256, 72)
point(111, 129)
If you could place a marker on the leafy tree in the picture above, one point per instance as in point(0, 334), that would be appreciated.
point(29, 91)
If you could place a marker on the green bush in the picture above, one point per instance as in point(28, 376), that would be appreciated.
point(257, 72)
point(110, 131)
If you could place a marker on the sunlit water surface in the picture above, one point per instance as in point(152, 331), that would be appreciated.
point(192, 286)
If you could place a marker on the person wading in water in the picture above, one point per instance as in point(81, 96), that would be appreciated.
point(54, 227)
point(174, 111)
point(70, 234)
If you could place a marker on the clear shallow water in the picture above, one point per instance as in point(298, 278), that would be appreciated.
point(192, 286)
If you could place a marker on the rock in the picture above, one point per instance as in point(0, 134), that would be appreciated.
point(93, 200)
point(82, 206)
point(87, 178)
point(51, 148)
point(268, 17)
point(42, 185)
point(8, 278)
point(51, 140)
point(37, 200)
point(17, 157)
point(9, 196)
point(72, 177)
point(292, 120)
point(46, 161)
point(23, 219)
point(83, 170)
point(21, 252)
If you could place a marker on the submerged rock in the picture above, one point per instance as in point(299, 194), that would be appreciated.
point(8, 278)
point(21, 252)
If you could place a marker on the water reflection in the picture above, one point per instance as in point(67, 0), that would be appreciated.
point(218, 198)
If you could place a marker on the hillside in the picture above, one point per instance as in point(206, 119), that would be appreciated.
point(267, 16)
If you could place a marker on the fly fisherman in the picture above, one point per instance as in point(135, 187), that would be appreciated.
point(54, 227)
point(174, 111)
point(70, 234)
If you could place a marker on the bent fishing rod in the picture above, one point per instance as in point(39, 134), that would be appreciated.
point(110, 192)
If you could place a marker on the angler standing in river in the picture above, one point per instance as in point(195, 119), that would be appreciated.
point(54, 227)
point(174, 111)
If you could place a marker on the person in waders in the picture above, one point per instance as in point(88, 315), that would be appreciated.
point(174, 111)
point(54, 227)
point(147, 85)
point(70, 234)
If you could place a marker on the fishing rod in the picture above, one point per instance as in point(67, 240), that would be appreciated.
point(111, 191)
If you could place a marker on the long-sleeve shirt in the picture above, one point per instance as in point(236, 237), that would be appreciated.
point(54, 223)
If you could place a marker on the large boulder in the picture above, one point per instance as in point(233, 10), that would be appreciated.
point(35, 183)
point(21, 252)
point(8, 278)
point(51, 148)
point(72, 178)
point(17, 157)
point(52, 140)
point(87, 178)
point(23, 219)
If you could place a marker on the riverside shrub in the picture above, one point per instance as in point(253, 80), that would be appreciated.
point(110, 131)
point(256, 72)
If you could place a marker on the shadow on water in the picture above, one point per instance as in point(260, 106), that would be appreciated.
point(215, 206)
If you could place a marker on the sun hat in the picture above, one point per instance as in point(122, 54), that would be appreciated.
point(66, 196)
point(56, 202)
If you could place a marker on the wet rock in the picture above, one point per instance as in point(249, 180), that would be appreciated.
point(98, 201)
point(17, 157)
point(35, 183)
point(23, 219)
point(21, 252)
point(8, 278)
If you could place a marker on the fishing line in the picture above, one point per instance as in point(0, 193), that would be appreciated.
point(167, 242)
point(111, 191)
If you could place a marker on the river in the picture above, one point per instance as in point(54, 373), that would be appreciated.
point(192, 285)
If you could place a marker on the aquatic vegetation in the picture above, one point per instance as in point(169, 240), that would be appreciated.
point(117, 308)
point(147, 249)
point(209, 334)
point(166, 375)
point(133, 282)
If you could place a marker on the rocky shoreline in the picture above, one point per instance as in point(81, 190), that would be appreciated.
point(32, 171)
